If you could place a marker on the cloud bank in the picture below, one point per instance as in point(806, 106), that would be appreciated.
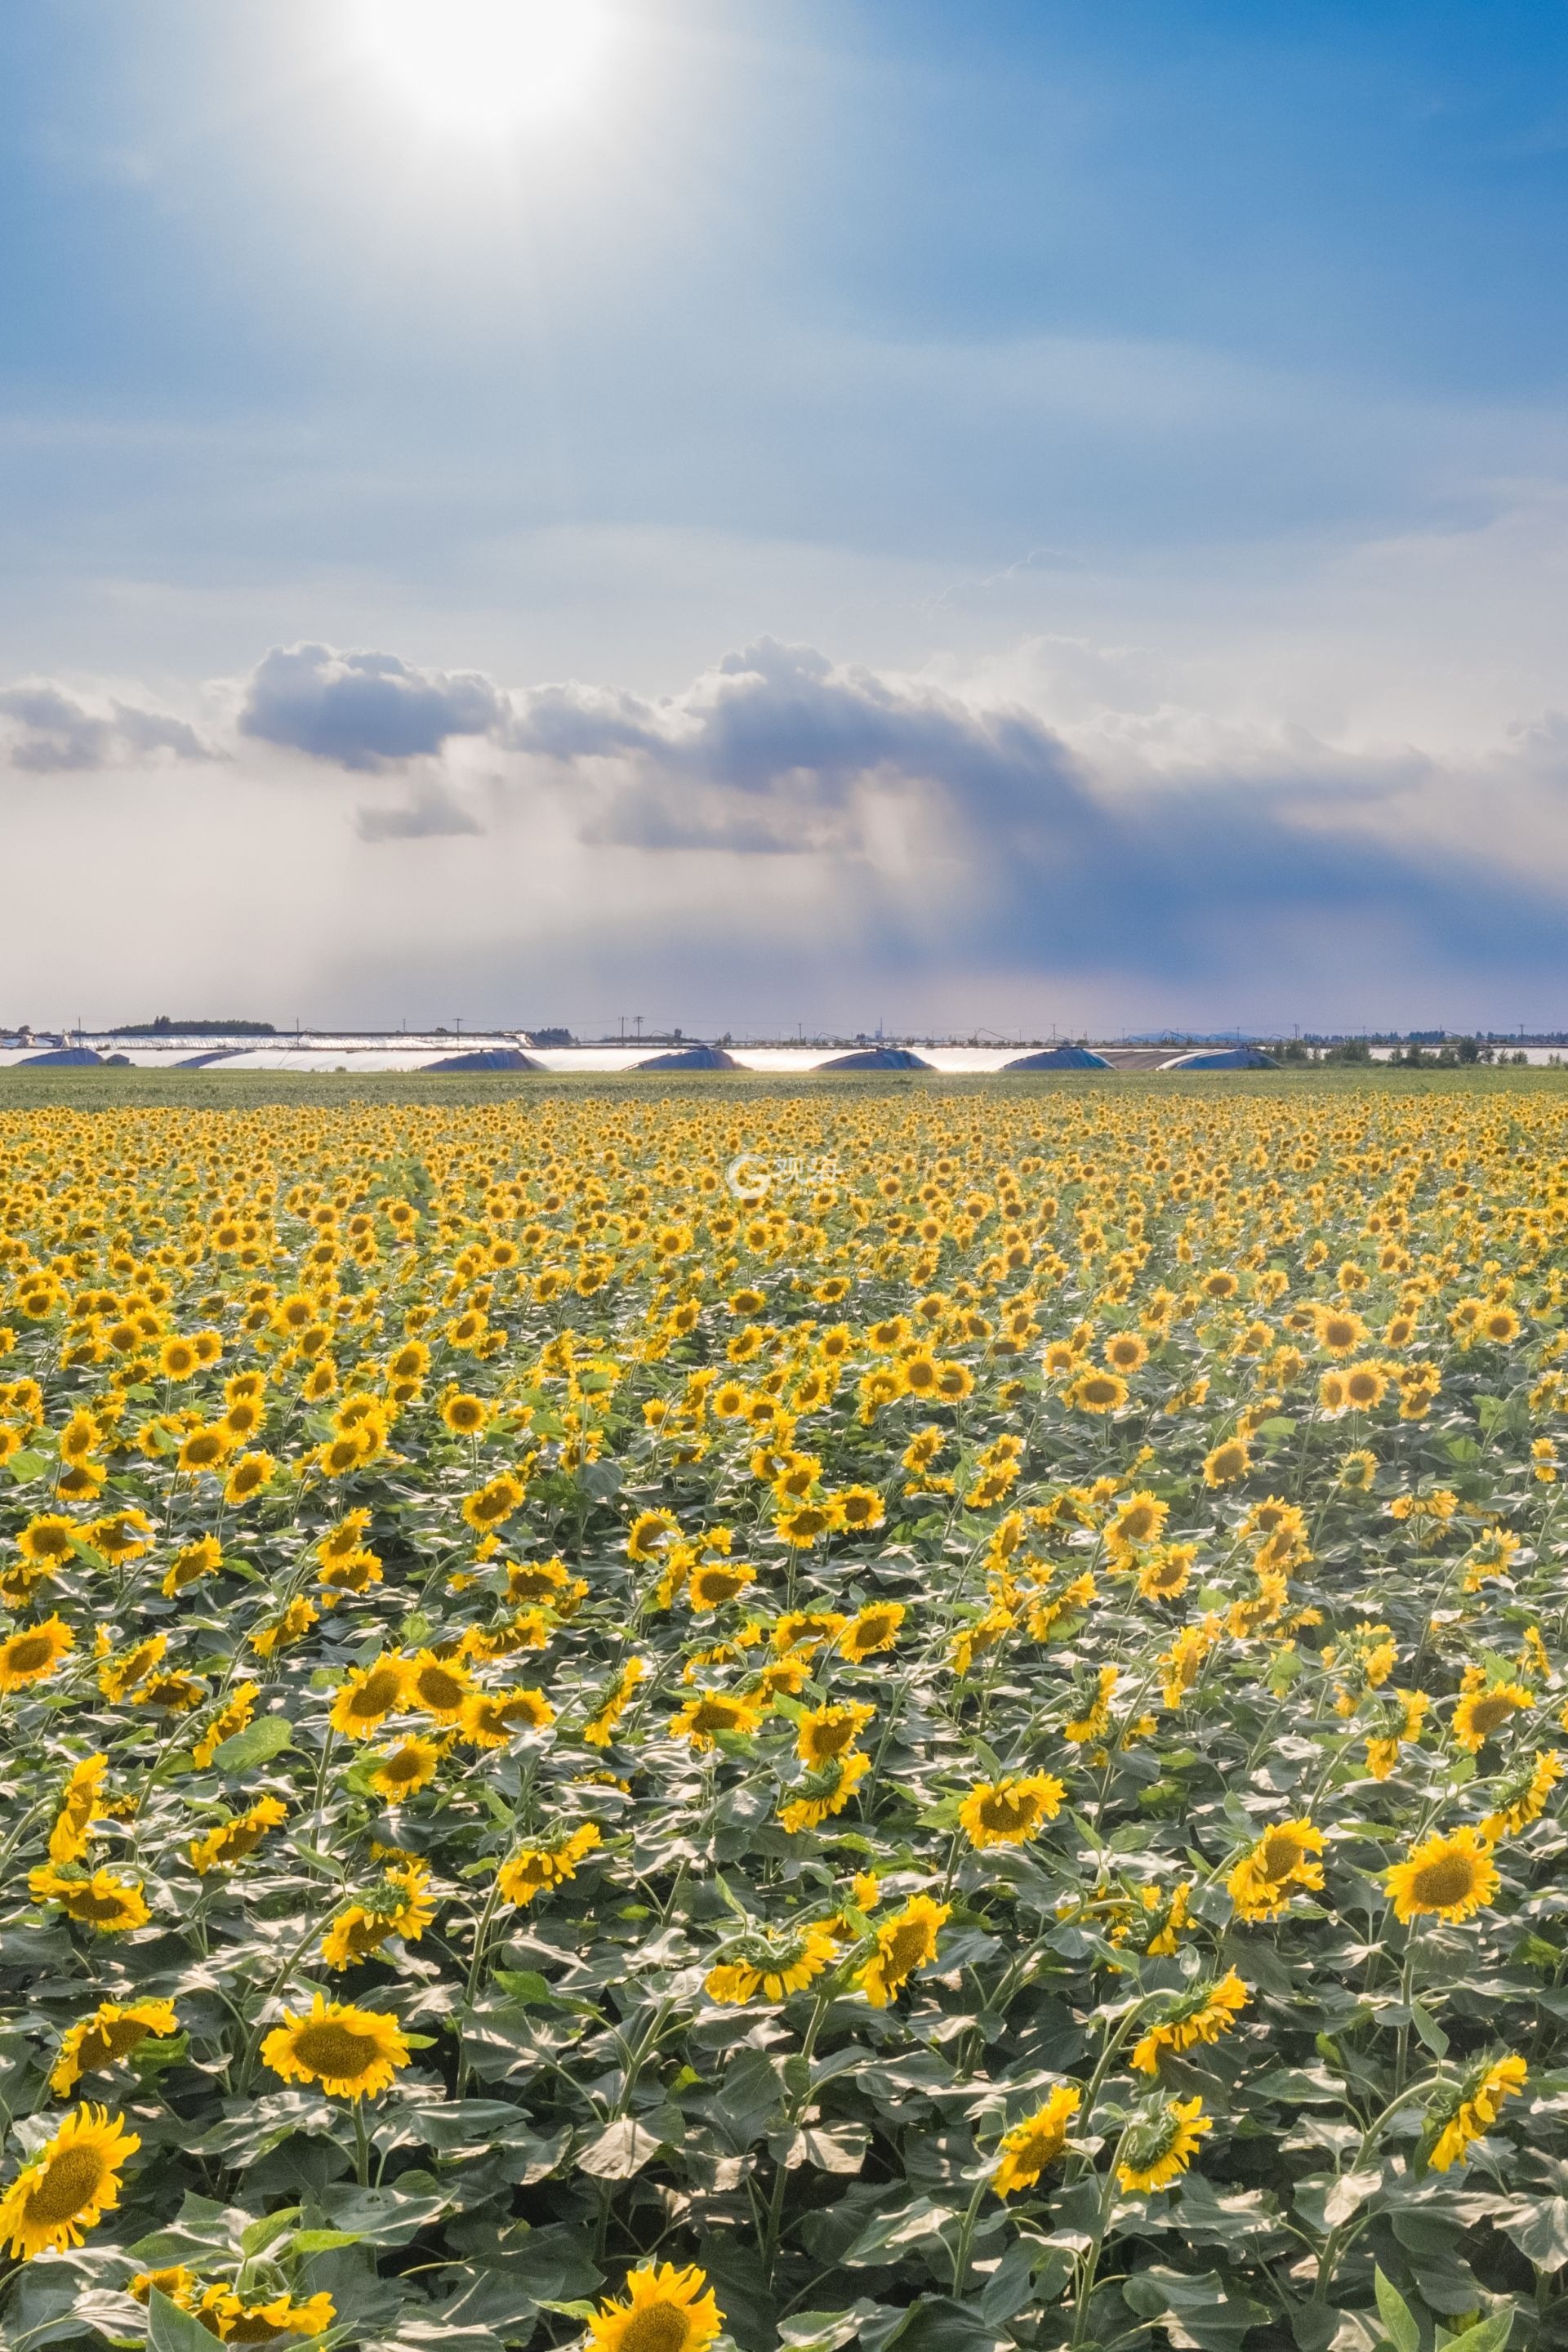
point(842, 829)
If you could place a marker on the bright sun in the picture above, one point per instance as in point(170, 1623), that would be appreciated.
point(485, 65)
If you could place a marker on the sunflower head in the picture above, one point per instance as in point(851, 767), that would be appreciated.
point(69, 2185)
point(352, 2053)
point(1448, 1877)
point(664, 2310)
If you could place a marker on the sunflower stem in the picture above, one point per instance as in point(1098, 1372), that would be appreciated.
point(966, 2237)
point(1091, 2258)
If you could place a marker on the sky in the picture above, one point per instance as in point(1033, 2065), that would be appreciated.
point(1006, 517)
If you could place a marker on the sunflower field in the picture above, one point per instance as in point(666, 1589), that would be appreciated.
point(886, 1717)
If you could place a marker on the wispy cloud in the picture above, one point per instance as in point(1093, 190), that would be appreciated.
point(430, 815)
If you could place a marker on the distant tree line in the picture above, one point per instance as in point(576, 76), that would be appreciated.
point(1452, 1053)
point(164, 1027)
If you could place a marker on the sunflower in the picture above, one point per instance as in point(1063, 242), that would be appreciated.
point(1284, 1857)
point(79, 1808)
point(357, 1573)
point(1158, 2147)
point(112, 1906)
point(825, 1791)
point(352, 2053)
point(904, 1943)
point(109, 2034)
point(825, 1732)
point(48, 1539)
point(1138, 1522)
point(1523, 1798)
point(805, 1524)
point(465, 1416)
point(806, 1630)
point(1201, 2015)
point(711, 1587)
point(773, 1964)
point(232, 1840)
point(712, 1712)
point(83, 1482)
point(282, 1631)
point(535, 1869)
point(494, 1719)
point(190, 1564)
point(1226, 1463)
point(649, 1533)
point(244, 1418)
point(1012, 1811)
point(224, 2312)
point(871, 1630)
point(600, 1727)
point(438, 1688)
point(204, 1449)
point(1482, 1713)
point(1035, 2143)
point(79, 1438)
point(1447, 1876)
point(176, 2282)
point(410, 1767)
point(1165, 1572)
point(664, 2310)
point(117, 1675)
point(400, 1906)
point(231, 1720)
point(249, 1476)
point(547, 1581)
point(369, 1695)
point(1338, 1332)
point(1474, 2109)
point(1099, 1392)
point(340, 1455)
point(70, 2184)
point(345, 1539)
point(1095, 1719)
point(119, 1536)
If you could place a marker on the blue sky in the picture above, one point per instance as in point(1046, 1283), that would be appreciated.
point(1142, 423)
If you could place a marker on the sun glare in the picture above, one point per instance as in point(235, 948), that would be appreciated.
point(485, 65)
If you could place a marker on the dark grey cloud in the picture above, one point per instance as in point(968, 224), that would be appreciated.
point(426, 817)
point(1030, 856)
point(56, 732)
point(774, 749)
point(772, 712)
point(364, 711)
